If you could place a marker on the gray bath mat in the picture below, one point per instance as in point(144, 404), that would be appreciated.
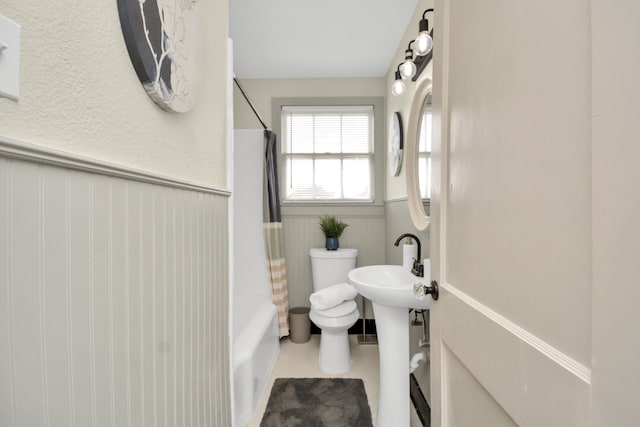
point(317, 402)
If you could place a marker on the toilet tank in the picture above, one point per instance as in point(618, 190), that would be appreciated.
point(329, 268)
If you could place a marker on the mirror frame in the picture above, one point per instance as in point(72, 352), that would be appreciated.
point(416, 209)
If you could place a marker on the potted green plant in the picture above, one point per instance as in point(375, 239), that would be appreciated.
point(332, 228)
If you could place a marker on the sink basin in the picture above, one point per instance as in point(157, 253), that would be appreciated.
point(389, 285)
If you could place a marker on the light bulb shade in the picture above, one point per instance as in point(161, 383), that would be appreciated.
point(423, 44)
point(408, 69)
point(397, 88)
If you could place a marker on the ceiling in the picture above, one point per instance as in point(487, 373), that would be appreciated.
point(316, 39)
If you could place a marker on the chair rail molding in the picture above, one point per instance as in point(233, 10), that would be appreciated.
point(11, 148)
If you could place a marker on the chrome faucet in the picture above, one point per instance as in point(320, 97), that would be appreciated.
point(418, 267)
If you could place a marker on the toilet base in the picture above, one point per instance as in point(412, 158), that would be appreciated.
point(335, 354)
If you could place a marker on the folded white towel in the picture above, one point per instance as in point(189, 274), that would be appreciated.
point(332, 296)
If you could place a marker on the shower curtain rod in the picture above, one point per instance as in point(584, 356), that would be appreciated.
point(235, 79)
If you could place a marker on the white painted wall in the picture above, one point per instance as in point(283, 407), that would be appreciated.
point(262, 90)
point(79, 93)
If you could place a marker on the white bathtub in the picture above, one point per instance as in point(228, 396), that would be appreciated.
point(255, 351)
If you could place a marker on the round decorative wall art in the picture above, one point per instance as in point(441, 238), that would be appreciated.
point(396, 145)
point(166, 46)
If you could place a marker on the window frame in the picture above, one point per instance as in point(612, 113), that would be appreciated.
point(376, 159)
point(426, 154)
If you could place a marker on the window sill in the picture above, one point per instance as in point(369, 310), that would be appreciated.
point(338, 209)
point(284, 203)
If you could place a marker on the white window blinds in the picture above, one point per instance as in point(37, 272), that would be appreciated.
point(328, 153)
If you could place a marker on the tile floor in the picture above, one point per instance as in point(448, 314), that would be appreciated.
point(301, 360)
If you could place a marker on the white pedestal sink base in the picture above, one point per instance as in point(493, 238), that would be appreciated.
point(393, 344)
point(391, 290)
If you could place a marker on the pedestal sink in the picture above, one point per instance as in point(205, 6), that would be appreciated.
point(391, 290)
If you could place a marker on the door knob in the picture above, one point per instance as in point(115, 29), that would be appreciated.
point(421, 290)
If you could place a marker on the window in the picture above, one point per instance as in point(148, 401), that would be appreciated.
point(424, 149)
point(327, 153)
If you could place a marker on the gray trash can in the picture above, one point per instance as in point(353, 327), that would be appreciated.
point(299, 325)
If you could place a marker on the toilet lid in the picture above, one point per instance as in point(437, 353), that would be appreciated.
point(339, 310)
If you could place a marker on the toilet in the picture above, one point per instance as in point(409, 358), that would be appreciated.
point(329, 268)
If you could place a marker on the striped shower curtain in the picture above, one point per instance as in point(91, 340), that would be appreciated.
point(273, 237)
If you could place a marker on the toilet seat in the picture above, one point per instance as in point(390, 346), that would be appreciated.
point(343, 309)
point(343, 315)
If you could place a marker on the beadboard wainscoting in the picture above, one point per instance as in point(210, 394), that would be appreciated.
point(366, 232)
point(113, 295)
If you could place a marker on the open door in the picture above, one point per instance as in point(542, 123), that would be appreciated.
point(528, 218)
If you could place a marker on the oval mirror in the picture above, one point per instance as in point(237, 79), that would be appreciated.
point(418, 154)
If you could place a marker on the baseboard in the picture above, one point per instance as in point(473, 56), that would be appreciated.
point(357, 329)
point(419, 401)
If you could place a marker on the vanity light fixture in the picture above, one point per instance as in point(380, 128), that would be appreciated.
point(424, 42)
point(408, 67)
point(412, 67)
point(398, 86)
